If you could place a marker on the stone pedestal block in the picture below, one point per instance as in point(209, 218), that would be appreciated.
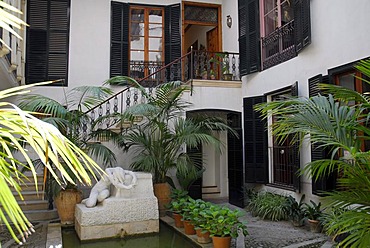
point(131, 212)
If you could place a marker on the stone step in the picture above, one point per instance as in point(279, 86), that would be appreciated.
point(31, 186)
point(30, 179)
point(30, 195)
point(41, 215)
point(210, 190)
point(34, 205)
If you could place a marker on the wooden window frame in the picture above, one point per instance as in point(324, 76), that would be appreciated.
point(146, 36)
point(263, 15)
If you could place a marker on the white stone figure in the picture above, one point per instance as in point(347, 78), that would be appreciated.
point(101, 190)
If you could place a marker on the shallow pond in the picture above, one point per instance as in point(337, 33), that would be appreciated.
point(167, 238)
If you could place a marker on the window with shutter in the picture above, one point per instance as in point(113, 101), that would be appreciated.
point(47, 41)
point(255, 142)
point(249, 36)
point(119, 39)
point(143, 38)
point(271, 32)
point(285, 160)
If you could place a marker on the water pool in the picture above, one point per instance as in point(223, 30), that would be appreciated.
point(166, 238)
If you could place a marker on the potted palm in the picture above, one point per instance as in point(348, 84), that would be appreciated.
point(223, 224)
point(69, 117)
point(296, 211)
point(158, 142)
point(314, 213)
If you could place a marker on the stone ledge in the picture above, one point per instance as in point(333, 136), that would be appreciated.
point(116, 230)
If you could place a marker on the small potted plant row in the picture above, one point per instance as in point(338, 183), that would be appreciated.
point(208, 220)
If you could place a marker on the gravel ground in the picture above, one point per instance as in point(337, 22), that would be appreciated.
point(275, 234)
point(36, 240)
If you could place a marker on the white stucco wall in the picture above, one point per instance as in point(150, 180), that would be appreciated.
point(230, 35)
point(339, 36)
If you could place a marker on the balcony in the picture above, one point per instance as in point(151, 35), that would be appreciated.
point(196, 65)
point(279, 46)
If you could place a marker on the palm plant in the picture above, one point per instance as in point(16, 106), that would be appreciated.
point(330, 122)
point(158, 144)
point(71, 119)
point(22, 132)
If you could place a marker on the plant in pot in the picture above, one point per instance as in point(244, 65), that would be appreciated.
point(198, 217)
point(179, 199)
point(314, 213)
point(69, 117)
point(225, 66)
point(223, 224)
point(295, 210)
point(187, 215)
point(157, 144)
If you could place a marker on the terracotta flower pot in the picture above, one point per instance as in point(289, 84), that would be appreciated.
point(221, 242)
point(203, 237)
point(189, 228)
point(66, 202)
point(178, 220)
point(162, 191)
point(315, 226)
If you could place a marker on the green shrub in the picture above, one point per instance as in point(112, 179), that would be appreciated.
point(269, 206)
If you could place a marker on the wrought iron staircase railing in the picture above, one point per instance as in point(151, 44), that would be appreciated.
point(188, 67)
point(120, 101)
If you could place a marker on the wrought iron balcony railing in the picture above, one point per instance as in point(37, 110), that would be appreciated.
point(196, 65)
point(279, 46)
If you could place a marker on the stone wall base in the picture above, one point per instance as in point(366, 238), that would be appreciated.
point(116, 230)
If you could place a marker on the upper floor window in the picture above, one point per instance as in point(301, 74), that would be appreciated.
point(271, 32)
point(275, 14)
point(47, 41)
point(146, 34)
point(143, 38)
point(277, 29)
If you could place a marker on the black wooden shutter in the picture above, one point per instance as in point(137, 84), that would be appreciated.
point(255, 142)
point(302, 24)
point(235, 161)
point(249, 36)
point(47, 41)
point(295, 150)
point(172, 33)
point(324, 183)
point(119, 50)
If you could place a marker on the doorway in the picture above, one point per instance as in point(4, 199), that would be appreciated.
point(201, 25)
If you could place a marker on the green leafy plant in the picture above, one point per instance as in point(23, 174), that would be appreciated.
point(222, 221)
point(70, 117)
point(313, 210)
point(22, 132)
point(295, 210)
point(158, 143)
point(269, 206)
point(178, 205)
point(223, 60)
point(333, 124)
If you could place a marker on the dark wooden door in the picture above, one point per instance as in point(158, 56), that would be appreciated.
point(235, 161)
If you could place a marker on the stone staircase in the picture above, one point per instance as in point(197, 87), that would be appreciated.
point(34, 204)
point(209, 192)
